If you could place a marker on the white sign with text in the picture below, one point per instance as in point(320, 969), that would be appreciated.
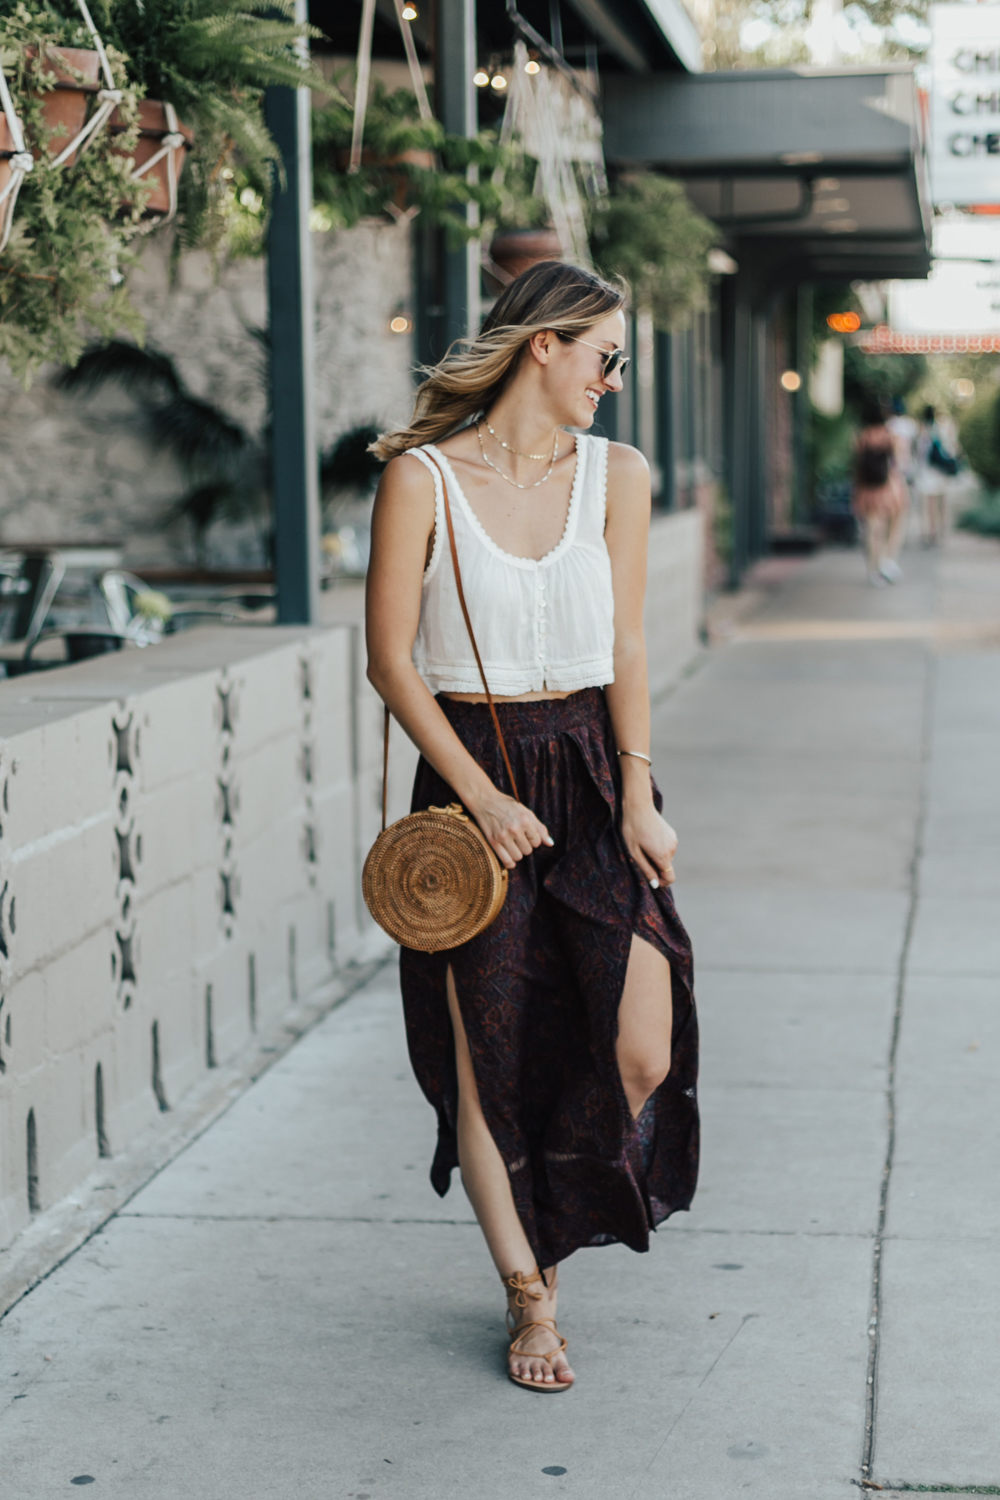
point(965, 103)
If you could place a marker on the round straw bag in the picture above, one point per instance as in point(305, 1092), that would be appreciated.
point(431, 880)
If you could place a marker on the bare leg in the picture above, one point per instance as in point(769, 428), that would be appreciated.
point(645, 1021)
point(937, 505)
point(485, 1179)
point(897, 535)
point(875, 544)
point(933, 513)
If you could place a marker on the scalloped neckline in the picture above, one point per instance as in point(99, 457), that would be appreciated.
point(484, 536)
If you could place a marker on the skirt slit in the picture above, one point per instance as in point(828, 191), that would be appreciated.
point(540, 990)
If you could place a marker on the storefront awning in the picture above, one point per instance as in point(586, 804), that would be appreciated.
point(823, 171)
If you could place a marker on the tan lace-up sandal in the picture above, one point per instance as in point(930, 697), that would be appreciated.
point(520, 1285)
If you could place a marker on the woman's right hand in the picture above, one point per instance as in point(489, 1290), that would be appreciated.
point(511, 829)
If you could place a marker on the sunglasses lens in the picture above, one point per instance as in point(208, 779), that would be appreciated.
point(613, 363)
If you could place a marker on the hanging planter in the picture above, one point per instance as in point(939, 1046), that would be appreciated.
point(8, 150)
point(76, 72)
point(159, 156)
point(515, 250)
point(402, 192)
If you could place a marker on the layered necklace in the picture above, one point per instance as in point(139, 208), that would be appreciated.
point(537, 456)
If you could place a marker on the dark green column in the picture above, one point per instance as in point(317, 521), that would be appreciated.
point(295, 464)
point(738, 380)
point(455, 95)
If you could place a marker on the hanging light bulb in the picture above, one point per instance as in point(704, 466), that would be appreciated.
point(531, 66)
point(498, 81)
point(409, 12)
point(480, 78)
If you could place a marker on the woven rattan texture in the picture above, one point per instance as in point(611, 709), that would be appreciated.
point(431, 881)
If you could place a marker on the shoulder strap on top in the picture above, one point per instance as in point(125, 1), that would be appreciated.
point(475, 652)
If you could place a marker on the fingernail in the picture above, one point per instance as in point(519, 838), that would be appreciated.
point(655, 884)
point(550, 842)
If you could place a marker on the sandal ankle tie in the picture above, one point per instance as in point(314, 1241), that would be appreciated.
point(520, 1284)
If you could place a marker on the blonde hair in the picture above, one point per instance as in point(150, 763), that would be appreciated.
point(551, 295)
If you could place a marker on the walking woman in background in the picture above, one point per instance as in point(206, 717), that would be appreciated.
point(559, 1047)
point(936, 467)
point(880, 499)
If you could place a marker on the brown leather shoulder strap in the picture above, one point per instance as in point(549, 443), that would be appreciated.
point(475, 649)
point(468, 626)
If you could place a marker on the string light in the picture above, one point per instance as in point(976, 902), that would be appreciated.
point(791, 380)
point(531, 66)
point(480, 78)
point(498, 82)
point(399, 324)
point(409, 12)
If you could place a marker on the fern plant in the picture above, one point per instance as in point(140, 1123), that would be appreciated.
point(212, 60)
point(61, 274)
point(386, 179)
point(226, 468)
point(647, 230)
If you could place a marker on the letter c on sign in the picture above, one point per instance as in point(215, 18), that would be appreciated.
point(961, 145)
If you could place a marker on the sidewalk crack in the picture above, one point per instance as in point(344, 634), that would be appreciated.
point(874, 1321)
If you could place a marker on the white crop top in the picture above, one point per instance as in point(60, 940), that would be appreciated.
point(539, 624)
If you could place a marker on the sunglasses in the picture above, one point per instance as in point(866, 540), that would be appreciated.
point(617, 359)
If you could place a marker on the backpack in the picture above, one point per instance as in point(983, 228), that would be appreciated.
point(939, 458)
point(872, 465)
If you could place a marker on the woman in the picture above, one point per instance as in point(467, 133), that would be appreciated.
point(881, 500)
point(559, 1046)
point(936, 465)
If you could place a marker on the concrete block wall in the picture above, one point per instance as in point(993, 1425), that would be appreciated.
point(675, 595)
point(182, 831)
point(181, 835)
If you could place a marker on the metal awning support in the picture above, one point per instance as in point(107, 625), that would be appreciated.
point(295, 458)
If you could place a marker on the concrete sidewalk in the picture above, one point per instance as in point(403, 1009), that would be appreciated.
point(288, 1312)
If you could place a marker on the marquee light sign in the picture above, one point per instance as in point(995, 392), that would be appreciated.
point(965, 104)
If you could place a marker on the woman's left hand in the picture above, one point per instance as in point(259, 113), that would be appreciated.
point(651, 842)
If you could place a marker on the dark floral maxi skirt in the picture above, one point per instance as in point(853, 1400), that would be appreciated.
point(539, 992)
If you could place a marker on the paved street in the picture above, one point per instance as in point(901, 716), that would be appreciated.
point(288, 1312)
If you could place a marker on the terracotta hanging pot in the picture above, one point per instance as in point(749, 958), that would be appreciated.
point(515, 250)
point(154, 128)
point(400, 202)
point(77, 74)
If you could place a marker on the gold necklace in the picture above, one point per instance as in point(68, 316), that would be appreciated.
point(493, 434)
point(497, 470)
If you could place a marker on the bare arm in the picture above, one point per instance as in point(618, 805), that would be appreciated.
point(402, 526)
point(651, 842)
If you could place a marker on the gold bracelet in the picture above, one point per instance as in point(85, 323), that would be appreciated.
point(638, 755)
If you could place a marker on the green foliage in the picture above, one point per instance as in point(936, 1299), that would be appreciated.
point(348, 465)
point(647, 231)
point(778, 38)
point(979, 434)
point(212, 60)
point(880, 376)
point(983, 517)
point(406, 163)
point(227, 470)
point(832, 446)
point(61, 273)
